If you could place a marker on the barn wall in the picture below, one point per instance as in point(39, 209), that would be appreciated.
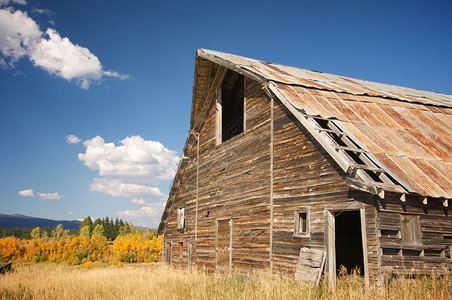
point(432, 253)
point(234, 183)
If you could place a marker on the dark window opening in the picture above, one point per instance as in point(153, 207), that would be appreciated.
point(434, 252)
point(232, 97)
point(389, 233)
point(391, 251)
point(301, 223)
point(349, 243)
point(407, 252)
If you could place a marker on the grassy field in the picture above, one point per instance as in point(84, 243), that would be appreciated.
point(154, 281)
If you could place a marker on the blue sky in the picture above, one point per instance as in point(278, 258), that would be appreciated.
point(95, 96)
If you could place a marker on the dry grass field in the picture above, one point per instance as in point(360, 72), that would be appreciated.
point(155, 281)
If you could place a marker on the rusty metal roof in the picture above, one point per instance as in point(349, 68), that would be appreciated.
point(407, 131)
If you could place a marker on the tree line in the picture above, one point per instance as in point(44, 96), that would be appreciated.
point(128, 244)
point(107, 227)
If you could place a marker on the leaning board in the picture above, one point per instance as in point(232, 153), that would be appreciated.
point(310, 265)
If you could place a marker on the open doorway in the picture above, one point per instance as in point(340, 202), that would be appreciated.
point(348, 241)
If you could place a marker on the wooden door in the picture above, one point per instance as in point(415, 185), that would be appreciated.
point(223, 245)
point(168, 252)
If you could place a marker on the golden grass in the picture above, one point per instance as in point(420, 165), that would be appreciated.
point(155, 281)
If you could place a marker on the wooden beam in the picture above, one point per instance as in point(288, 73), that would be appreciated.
point(272, 107)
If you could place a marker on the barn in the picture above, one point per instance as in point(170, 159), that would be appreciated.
point(302, 172)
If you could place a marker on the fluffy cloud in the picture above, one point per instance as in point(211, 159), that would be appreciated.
point(72, 139)
point(136, 158)
point(132, 169)
point(153, 210)
point(61, 57)
point(139, 201)
point(116, 188)
point(50, 196)
point(27, 193)
point(148, 215)
point(20, 36)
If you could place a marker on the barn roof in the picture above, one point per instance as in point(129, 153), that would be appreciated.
point(404, 132)
point(385, 137)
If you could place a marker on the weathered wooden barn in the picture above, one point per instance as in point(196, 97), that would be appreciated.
point(280, 161)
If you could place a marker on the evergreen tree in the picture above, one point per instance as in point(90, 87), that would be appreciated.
point(97, 222)
point(117, 226)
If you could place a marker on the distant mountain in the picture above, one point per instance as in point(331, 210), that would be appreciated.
point(21, 221)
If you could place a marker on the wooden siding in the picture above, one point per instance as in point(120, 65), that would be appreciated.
point(431, 254)
point(234, 183)
point(303, 178)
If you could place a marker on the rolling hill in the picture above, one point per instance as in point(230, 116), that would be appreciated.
point(21, 221)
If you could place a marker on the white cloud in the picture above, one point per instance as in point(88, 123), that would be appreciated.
point(143, 160)
point(20, 36)
point(61, 57)
point(132, 169)
point(27, 193)
point(50, 196)
point(116, 188)
point(72, 139)
point(19, 33)
point(150, 211)
point(139, 201)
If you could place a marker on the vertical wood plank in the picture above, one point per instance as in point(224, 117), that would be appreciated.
point(272, 106)
point(364, 242)
point(331, 247)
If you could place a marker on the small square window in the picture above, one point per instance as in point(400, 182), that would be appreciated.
point(181, 218)
point(301, 223)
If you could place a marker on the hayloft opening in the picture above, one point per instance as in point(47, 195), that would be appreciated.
point(349, 243)
point(232, 107)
